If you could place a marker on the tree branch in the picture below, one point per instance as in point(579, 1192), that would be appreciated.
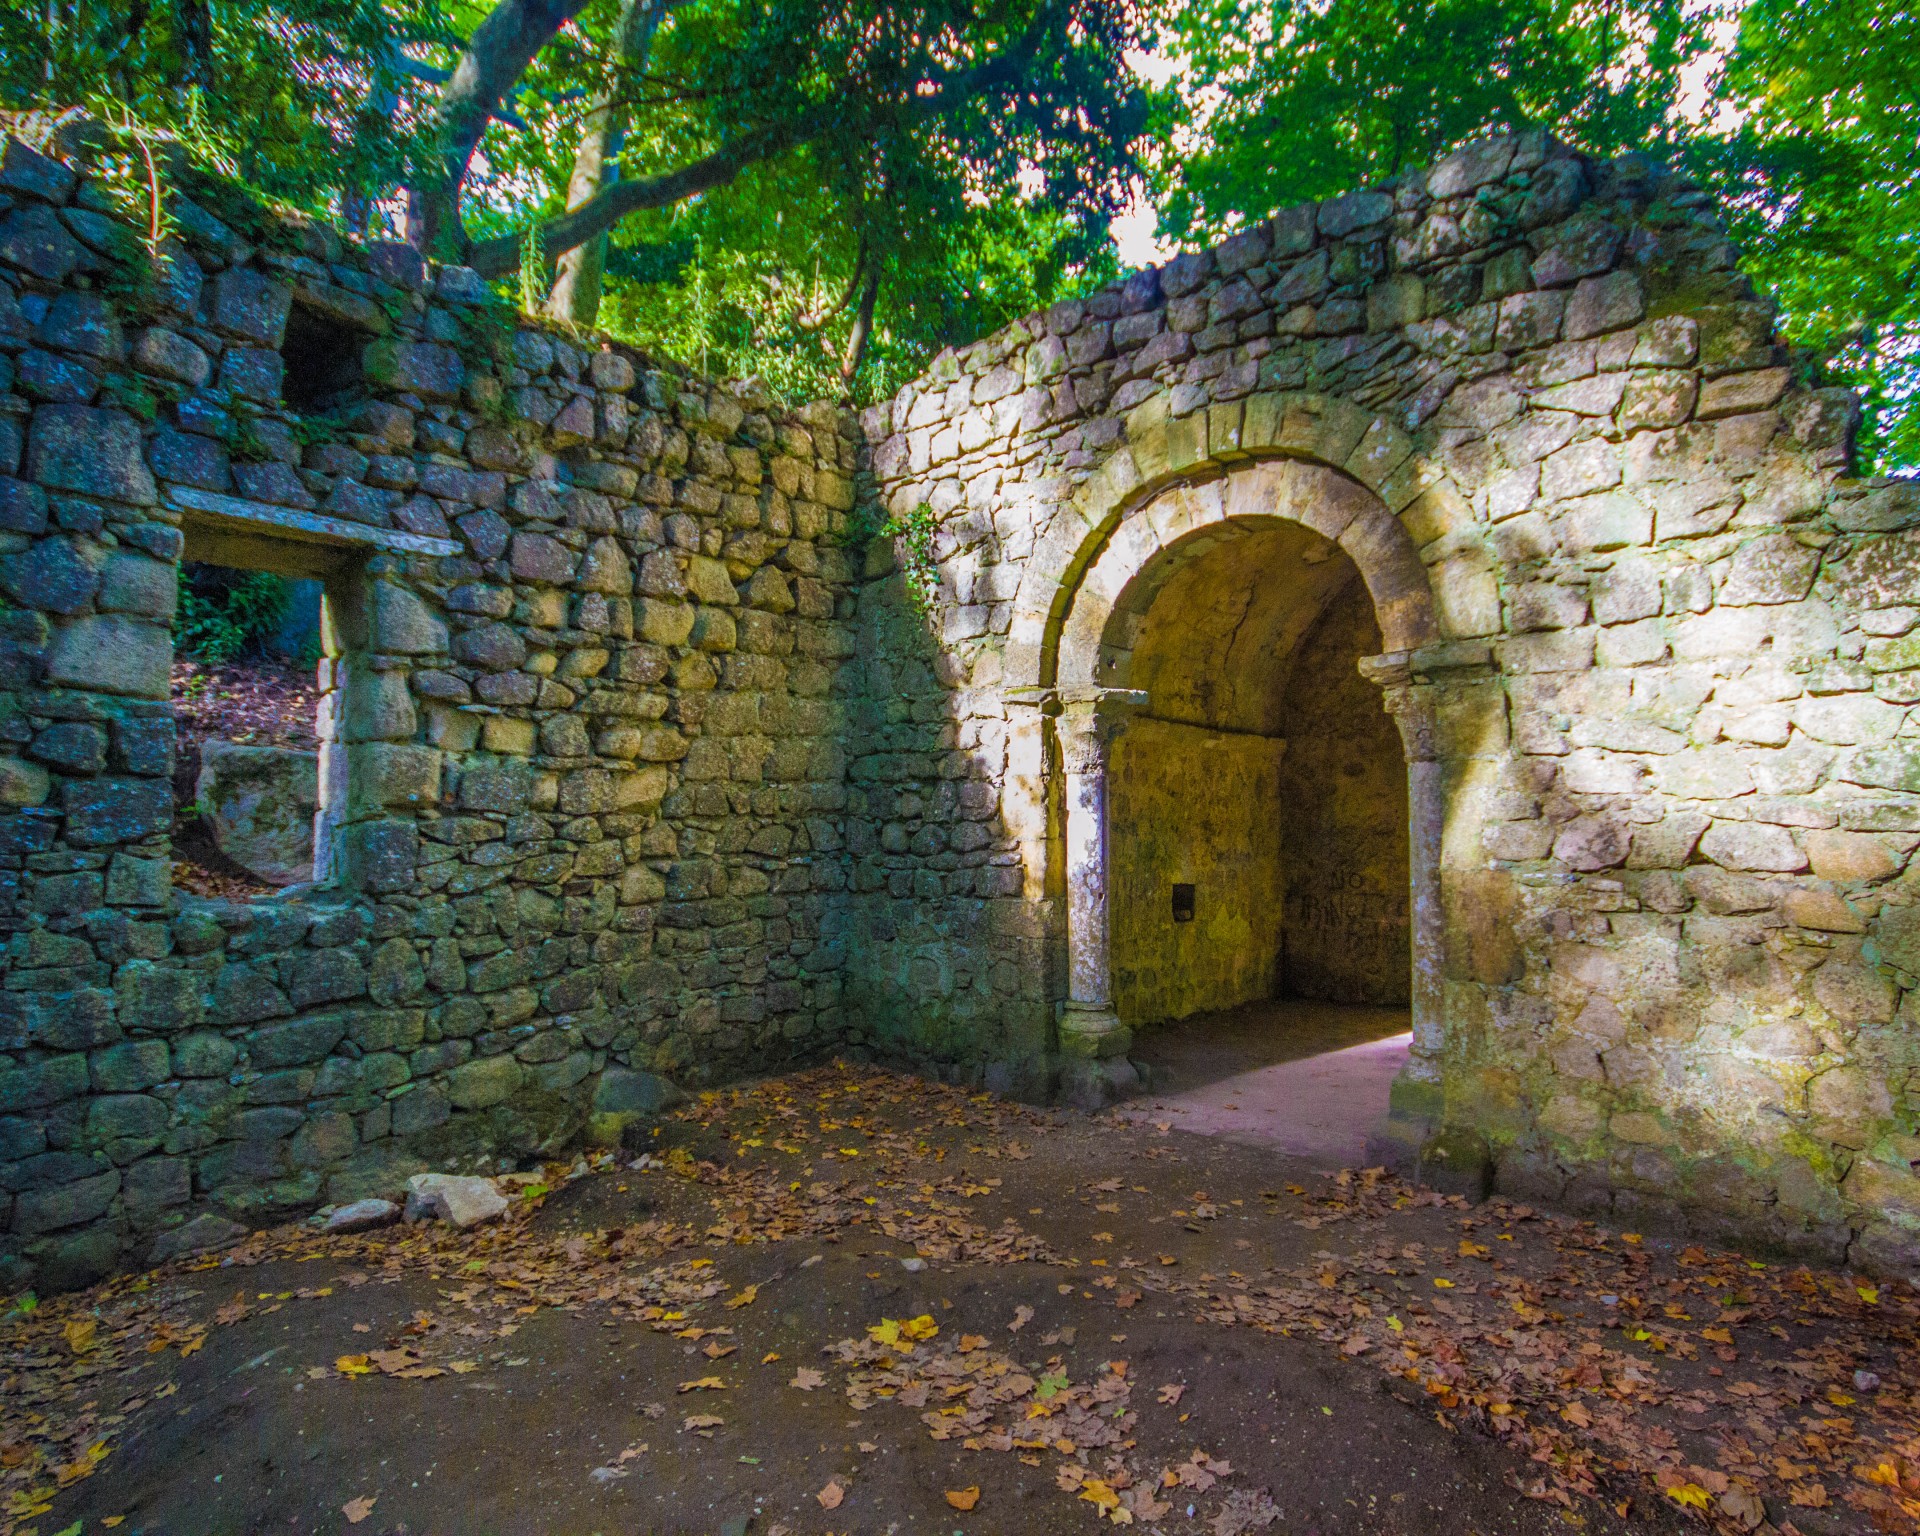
point(812, 321)
point(500, 255)
point(494, 59)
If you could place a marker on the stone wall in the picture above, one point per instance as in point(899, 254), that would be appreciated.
point(1194, 807)
point(627, 768)
point(1651, 655)
point(583, 778)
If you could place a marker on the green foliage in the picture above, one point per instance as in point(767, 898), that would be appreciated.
point(1821, 176)
point(1809, 135)
point(918, 569)
point(271, 93)
point(1304, 99)
point(755, 268)
point(972, 218)
point(226, 614)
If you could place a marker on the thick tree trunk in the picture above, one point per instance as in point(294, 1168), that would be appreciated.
point(596, 163)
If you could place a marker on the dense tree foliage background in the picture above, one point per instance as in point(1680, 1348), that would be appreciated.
point(825, 192)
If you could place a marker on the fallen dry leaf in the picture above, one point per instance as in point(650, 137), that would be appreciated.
point(831, 1495)
point(357, 1510)
point(963, 1498)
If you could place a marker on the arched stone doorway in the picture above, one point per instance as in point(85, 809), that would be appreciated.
point(1258, 800)
point(1236, 818)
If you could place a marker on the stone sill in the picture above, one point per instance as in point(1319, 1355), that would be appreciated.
point(236, 515)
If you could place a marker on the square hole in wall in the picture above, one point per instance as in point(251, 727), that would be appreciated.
point(1183, 903)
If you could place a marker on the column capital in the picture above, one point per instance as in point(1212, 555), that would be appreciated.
point(1089, 719)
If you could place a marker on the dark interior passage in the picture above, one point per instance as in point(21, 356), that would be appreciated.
point(1258, 808)
point(1343, 820)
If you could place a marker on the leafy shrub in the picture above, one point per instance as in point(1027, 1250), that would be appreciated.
point(226, 614)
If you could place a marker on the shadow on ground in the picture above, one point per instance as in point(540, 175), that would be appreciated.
point(852, 1302)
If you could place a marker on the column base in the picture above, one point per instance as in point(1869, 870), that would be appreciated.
point(1092, 1034)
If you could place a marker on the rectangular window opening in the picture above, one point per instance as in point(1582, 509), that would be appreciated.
point(1183, 903)
point(246, 694)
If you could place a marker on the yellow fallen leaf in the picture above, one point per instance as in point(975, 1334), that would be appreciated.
point(963, 1498)
point(1886, 1474)
point(110, 1521)
point(921, 1327)
point(1689, 1496)
point(1395, 1324)
point(1632, 1239)
point(353, 1365)
point(704, 1384)
point(744, 1299)
point(1472, 1250)
point(1870, 1294)
point(1717, 1335)
point(1441, 1282)
point(80, 1334)
point(1097, 1492)
point(357, 1510)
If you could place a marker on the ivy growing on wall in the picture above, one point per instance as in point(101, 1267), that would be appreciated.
point(914, 532)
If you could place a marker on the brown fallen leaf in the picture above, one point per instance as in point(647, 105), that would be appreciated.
point(1022, 1315)
point(831, 1495)
point(357, 1510)
point(701, 1421)
point(80, 1334)
point(1171, 1393)
point(963, 1498)
point(807, 1378)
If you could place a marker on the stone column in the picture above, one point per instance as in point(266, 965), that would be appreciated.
point(1089, 1028)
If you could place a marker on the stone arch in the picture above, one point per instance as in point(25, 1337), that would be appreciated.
point(1160, 535)
point(1092, 579)
point(1354, 474)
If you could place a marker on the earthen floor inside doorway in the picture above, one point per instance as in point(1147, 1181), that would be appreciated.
point(1303, 1077)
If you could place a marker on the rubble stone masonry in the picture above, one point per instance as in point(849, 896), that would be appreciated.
point(639, 758)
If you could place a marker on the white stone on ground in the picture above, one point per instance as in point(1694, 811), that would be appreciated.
point(464, 1200)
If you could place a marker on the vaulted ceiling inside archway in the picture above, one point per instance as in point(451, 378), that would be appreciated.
point(1217, 622)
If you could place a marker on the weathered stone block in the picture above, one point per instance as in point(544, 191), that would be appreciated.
point(259, 803)
point(1752, 845)
point(115, 810)
point(111, 653)
point(130, 1066)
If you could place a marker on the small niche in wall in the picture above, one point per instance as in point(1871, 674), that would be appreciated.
point(322, 358)
point(1183, 903)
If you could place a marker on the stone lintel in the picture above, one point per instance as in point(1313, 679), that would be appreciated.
point(236, 515)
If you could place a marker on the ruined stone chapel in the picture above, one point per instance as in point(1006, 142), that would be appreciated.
point(1445, 595)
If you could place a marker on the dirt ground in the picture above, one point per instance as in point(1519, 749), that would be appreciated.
point(846, 1301)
